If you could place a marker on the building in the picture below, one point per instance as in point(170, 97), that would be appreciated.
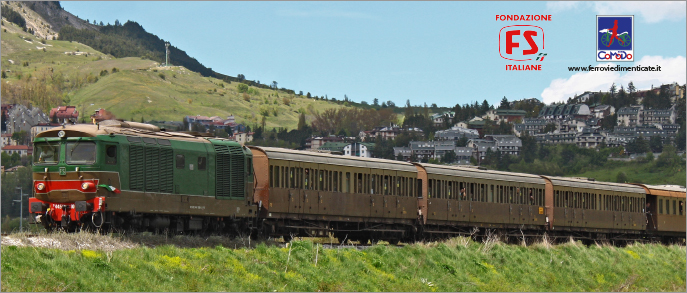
point(589, 138)
point(565, 111)
point(314, 143)
point(21, 118)
point(602, 111)
point(629, 116)
point(40, 127)
point(242, 137)
point(583, 98)
point(498, 115)
point(479, 147)
point(556, 137)
point(22, 150)
point(439, 118)
point(386, 132)
point(7, 140)
point(404, 152)
point(506, 144)
point(215, 122)
point(661, 116)
point(359, 149)
point(530, 126)
point(456, 133)
point(64, 114)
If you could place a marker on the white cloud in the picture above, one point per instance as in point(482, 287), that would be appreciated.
point(672, 70)
point(651, 11)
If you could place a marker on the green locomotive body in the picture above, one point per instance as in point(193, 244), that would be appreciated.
point(132, 175)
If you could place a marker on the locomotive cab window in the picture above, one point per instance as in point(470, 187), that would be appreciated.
point(111, 154)
point(181, 162)
point(202, 163)
point(46, 153)
point(81, 153)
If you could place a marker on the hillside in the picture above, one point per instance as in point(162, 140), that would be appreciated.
point(139, 89)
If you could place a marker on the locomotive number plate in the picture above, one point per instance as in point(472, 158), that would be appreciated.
point(541, 210)
point(63, 171)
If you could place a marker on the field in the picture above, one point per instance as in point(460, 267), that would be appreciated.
point(458, 264)
point(141, 88)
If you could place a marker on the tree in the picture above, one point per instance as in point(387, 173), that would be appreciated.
point(529, 148)
point(449, 157)
point(300, 93)
point(621, 177)
point(612, 90)
point(308, 96)
point(656, 144)
point(504, 104)
point(409, 110)
point(20, 137)
point(375, 102)
point(241, 77)
point(637, 146)
point(550, 127)
point(274, 85)
point(301, 121)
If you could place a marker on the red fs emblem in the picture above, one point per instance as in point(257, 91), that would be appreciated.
point(521, 43)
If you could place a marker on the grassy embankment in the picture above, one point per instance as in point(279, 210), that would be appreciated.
point(458, 264)
point(142, 89)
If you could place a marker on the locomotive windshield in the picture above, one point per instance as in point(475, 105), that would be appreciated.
point(46, 154)
point(81, 153)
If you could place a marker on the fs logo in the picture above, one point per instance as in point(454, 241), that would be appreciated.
point(521, 43)
point(615, 38)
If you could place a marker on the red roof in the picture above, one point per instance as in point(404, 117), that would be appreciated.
point(65, 112)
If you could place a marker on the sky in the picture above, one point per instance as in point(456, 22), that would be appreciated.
point(426, 52)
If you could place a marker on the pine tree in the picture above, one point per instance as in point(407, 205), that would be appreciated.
point(301, 121)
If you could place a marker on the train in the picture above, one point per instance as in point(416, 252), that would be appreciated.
point(127, 176)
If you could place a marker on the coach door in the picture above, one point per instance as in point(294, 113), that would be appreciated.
point(309, 196)
point(375, 192)
point(295, 197)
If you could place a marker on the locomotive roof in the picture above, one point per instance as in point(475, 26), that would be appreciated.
point(483, 174)
point(664, 190)
point(121, 128)
point(322, 158)
point(600, 185)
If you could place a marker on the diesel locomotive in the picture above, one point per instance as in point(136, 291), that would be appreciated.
point(130, 176)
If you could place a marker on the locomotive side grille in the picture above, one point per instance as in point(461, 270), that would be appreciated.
point(136, 167)
point(230, 171)
point(152, 173)
point(166, 170)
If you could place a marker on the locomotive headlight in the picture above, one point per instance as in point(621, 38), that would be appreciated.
point(86, 185)
point(40, 186)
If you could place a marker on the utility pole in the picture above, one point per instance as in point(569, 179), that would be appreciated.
point(21, 209)
point(167, 54)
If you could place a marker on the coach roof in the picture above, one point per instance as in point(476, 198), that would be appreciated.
point(483, 174)
point(322, 158)
point(599, 185)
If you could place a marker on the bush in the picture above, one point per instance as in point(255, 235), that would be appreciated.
point(246, 97)
point(242, 88)
point(621, 178)
point(161, 75)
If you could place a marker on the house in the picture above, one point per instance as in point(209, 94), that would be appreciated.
point(386, 132)
point(479, 147)
point(314, 143)
point(22, 150)
point(359, 149)
point(666, 116)
point(583, 98)
point(404, 152)
point(64, 114)
point(242, 137)
point(602, 111)
point(565, 111)
point(333, 147)
point(438, 118)
point(556, 137)
point(509, 115)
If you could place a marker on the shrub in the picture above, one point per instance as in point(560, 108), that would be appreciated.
point(161, 75)
point(246, 97)
point(114, 69)
point(242, 88)
point(286, 101)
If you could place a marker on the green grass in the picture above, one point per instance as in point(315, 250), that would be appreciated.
point(638, 172)
point(454, 265)
point(139, 91)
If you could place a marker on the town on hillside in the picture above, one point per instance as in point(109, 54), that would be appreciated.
point(637, 121)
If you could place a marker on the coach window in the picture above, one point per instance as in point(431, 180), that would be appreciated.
point(674, 208)
point(180, 162)
point(429, 189)
point(276, 176)
point(660, 206)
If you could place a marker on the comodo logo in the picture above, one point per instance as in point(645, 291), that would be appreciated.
point(615, 38)
point(521, 43)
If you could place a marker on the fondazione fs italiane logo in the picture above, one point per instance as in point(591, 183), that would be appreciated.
point(522, 42)
point(615, 38)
